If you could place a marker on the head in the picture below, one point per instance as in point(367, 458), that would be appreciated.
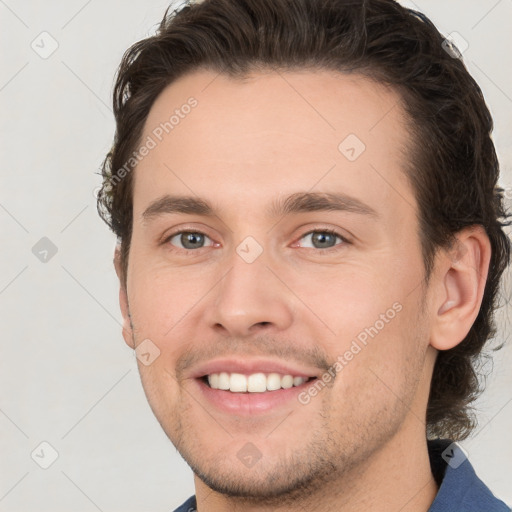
point(272, 99)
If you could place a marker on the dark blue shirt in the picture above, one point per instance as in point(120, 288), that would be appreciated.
point(460, 490)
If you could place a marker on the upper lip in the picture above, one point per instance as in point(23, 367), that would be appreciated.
point(250, 366)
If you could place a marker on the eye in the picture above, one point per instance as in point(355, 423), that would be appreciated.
point(189, 240)
point(324, 239)
point(320, 240)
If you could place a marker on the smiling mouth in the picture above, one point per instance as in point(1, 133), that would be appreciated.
point(253, 383)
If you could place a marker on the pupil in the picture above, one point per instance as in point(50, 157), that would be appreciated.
point(322, 237)
point(191, 238)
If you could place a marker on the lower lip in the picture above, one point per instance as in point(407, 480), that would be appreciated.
point(250, 403)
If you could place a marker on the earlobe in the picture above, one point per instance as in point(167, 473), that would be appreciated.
point(460, 287)
point(123, 302)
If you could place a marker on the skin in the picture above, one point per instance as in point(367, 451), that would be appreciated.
point(359, 444)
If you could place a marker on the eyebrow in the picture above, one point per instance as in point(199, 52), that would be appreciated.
point(299, 202)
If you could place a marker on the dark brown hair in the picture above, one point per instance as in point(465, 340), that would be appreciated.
point(452, 165)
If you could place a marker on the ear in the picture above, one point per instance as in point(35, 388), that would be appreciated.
point(123, 300)
point(460, 285)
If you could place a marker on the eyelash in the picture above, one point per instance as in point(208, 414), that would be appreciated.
point(328, 231)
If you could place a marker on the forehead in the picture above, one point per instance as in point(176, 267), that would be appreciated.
point(247, 141)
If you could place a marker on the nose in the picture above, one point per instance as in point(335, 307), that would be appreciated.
point(249, 299)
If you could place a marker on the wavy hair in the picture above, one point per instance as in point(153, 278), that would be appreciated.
point(451, 165)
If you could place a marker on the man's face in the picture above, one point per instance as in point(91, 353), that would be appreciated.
point(258, 291)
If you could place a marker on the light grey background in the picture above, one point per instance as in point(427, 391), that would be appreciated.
point(66, 376)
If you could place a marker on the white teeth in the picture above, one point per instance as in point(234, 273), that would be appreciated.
point(297, 381)
point(257, 383)
point(238, 383)
point(287, 381)
point(273, 381)
point(223, 380)
point(214, 380)
point(254, 383)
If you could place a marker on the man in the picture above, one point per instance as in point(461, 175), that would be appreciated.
point(310, 247)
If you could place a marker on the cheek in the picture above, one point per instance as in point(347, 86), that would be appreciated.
point(379, 378)
point(373, 319)
point(166, 307)
point(161, 299)
point(350, 300)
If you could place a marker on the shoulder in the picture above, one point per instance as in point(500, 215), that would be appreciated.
point(460, 489)
point(188, 506)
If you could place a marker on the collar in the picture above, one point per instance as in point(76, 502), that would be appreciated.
point(460, 489)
